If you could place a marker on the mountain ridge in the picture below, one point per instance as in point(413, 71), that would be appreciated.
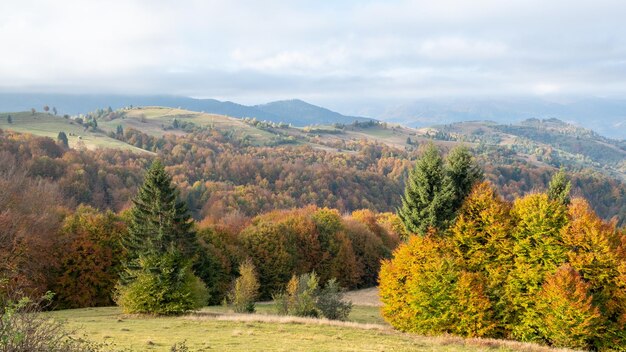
point(285, 111)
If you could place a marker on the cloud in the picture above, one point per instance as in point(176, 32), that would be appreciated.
point(461, 48)
point(253, 51)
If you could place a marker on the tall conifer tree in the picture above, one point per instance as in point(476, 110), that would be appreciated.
point(464, 173)
point(427, 196)
point(559, 188)
point(158, 219)
point(161, 243)
point(436, 190)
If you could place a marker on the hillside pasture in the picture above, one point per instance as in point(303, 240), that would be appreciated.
point(216, 329)
point(157, 121)
point(48, 125)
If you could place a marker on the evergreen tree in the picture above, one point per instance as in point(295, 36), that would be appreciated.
point(464, 173)
point(428, 196)
point(161, 245)
point(158, 219)
point(120, 130)
point(9, 119)
point(559, 188)
point(62, 137)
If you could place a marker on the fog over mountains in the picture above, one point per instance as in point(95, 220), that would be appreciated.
point(606, 116)
point(603, 115)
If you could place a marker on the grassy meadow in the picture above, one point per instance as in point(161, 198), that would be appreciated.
point(48, 125)
point(151, 120)
point(218, 329)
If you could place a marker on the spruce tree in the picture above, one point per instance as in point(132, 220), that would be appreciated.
point(158, 219)
point(161, 243)
point(559, 188)
point(428, 195)
point(464, 173)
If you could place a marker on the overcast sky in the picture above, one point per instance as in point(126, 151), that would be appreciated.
point(323, 51)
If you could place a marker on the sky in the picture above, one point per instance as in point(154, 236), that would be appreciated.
point(321, 51)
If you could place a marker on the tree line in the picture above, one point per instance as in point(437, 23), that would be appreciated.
point(542, 268)
point(96, 258)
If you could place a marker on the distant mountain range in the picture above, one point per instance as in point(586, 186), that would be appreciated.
point(295, 112)
point(604, 115)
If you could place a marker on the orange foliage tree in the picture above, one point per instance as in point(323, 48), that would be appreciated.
point(90, 256)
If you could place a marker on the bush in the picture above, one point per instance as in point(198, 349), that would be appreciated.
point(162, 284)
point(245, 289)
point(300, 297)
point(303, 298)
point(330, 302)
point(24, 329)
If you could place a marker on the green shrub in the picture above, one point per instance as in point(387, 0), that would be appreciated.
point(304, 298)
point(330, 302)
point(162, 284)
point(300, 297)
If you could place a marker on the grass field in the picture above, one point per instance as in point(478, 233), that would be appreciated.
point(217, 329)
point(47, 125)
point(151, 120)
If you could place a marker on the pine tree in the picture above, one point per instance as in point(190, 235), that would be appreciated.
point(120, 130)
point(9, 119)
point(158, 219)
point(62, 137)
point(559, 188)
point(160, 245)
point(428, 195)
point(464, 173)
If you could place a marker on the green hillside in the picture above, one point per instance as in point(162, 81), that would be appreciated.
point(48, 125)
point(157, 121)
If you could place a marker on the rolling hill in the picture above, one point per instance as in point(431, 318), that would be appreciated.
point(301, 113)
point(48, 125)
point(549, 142)
point(515, 156)
point(295, 112)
